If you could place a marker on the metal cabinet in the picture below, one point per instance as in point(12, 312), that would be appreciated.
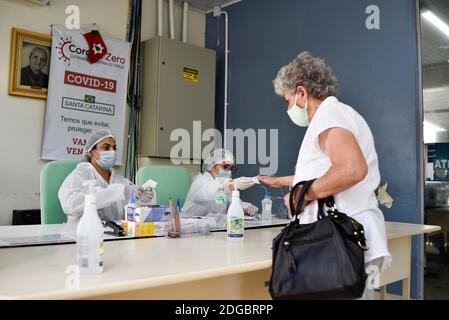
point(178, 89)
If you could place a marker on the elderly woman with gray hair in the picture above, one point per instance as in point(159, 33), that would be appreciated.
point(337, 150)
point(114, 190)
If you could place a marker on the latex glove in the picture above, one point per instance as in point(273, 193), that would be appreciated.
point(145, 197)
point(251, 210)
point(243, 183)
point(229, 184)
point(129, 188)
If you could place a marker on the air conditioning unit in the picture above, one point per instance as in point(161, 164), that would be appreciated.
point(41, 2)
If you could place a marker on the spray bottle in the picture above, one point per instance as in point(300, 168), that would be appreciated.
point(131, 207)
point(89, 235)
point(221, 199)
point(266, 207)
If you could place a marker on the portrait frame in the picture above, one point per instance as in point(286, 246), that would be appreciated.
point(23, 81)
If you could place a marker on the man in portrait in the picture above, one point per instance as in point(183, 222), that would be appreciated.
point(32, 75)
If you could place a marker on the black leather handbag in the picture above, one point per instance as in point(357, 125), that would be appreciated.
point(320, 260)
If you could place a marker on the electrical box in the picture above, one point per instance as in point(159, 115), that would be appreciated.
point(178, 90)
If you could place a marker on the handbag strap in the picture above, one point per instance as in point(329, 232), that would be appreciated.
point(357, 229)
point(304, 185)
point(332, 211)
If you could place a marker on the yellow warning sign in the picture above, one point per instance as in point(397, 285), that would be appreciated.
point(191, 75)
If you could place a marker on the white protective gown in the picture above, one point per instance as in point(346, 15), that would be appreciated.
point(110, 197)
point(201, 197)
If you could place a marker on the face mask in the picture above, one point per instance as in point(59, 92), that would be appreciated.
point(298, 115)
point(107, 159)
point(223, 173)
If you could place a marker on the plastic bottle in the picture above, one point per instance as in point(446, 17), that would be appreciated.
point(130, 208)
point(266, 208)
point(89, 235)
point(235, 218)
point(221, 200)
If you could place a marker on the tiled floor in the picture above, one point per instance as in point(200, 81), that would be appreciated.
point(436, 279)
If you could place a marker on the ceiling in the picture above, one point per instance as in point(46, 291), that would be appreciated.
point(435, 44)
point(206, 6)
point(435, 56)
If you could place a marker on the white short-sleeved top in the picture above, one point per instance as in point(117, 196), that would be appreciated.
point(359, 201)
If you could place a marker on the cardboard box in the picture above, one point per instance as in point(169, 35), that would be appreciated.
point(145, 229)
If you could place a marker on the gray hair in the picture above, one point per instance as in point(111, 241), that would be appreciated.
point(307, 71)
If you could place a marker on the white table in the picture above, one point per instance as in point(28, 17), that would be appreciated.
point(193, 267)
point(400, 245)
point(15, 236)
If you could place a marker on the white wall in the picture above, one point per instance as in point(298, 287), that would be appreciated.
point(22, 119)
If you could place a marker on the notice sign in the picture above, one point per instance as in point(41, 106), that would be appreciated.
point(83, 97)
point(191, 75)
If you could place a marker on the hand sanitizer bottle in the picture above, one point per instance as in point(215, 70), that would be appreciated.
point(235, 218)
point(266, 209)
point(130, 208)
point(89, 235)
point(221, 205)
point(221, 199)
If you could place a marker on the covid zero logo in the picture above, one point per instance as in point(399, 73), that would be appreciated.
point(67, 49)
point(64, 42)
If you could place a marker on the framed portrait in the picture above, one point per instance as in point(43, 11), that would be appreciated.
point(30, 64)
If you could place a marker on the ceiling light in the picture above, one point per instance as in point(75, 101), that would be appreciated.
point(437, 22)
point(433, 127)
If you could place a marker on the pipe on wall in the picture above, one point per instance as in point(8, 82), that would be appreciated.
point(171, 18)
point(159, 18)
point(185, 17)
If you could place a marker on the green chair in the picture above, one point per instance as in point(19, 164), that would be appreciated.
point(173, 181)
point(52, 177)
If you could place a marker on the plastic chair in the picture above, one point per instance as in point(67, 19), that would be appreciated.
point(53, 175)
point(173, 181)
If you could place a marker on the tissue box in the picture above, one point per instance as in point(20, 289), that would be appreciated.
point(149, 213)
point(145, 229)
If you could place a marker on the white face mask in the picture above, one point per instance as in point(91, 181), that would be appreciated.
point(107, 159)
point(298, 115)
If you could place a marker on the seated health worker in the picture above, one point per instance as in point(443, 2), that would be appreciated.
point(113, 190)
point(201, 197)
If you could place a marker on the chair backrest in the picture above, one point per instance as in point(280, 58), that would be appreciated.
point(53, 175)
point(173, 181)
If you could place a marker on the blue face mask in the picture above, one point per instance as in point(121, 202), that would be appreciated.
point(223, 173)
point(107, 159)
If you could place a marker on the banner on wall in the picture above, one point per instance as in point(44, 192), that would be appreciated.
point(84, 97)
